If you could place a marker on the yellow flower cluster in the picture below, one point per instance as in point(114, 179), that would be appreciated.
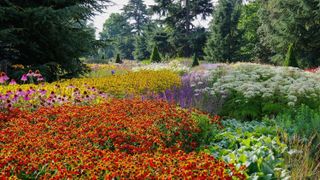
point(131, 83)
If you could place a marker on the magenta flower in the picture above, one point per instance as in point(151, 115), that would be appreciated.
point(26, 97)
point(13, 82)
point(24, 78)
point(2, 80)
point(5, 77)
point(43, 92)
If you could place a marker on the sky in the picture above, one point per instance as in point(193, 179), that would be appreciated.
point(99, 19)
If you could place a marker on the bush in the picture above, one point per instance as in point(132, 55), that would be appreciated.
point(290, 57)
point(303, 122)
point(195, 60)
point(155, 56)
point(118, 59)
point(254, 145)
point(252, 91)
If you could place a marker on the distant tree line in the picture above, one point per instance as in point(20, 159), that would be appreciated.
point(53, 35)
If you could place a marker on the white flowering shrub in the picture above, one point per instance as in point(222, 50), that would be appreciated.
point(174, 66)
point(255, 90)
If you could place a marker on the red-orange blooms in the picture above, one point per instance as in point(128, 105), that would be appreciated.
point(122, 138)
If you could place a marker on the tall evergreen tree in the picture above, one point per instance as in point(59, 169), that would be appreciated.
point(179, 17)
point(117, 30)
point(155, 56)
point(224, 42)
point(141, 48)
point(51, 35)
point(286, 22)
point(136, 12)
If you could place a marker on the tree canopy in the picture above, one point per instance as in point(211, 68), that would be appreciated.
point(50, 35)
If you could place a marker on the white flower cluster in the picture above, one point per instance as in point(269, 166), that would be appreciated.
point(266, 81)
point(174, 66)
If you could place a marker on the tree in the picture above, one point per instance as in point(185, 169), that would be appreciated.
point(141, 48)
point(285, 22)
point(179, 17)
point(136, 12)
point(224, 42)
point(248, 25)
point(155, 56)
point(51, 35)
point(117, 30)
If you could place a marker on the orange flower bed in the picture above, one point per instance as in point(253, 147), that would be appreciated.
point(122, 138)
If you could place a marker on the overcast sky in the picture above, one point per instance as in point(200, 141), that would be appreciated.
point(118, 5)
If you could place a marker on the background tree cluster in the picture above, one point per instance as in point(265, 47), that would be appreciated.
point(241, 30)
point(49, 35)
point(283, 32)
point(52, 35)
point(168, 26)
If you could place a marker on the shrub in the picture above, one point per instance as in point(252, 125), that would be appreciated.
point(303, 122)
point(118, 59)
point(254, 145)
point(252, 91)
point(155, 56)
point(195, 60)
point(290, 57)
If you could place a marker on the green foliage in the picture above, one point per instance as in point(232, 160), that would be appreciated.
point(290, 58)
point(136, 12)
point(179, 18)
point(303, 122)
point(251, 47)
point(291, 21)
point(240, 107)
point(195, 61)
point(251, 144)
point(35, 33)
point(141, 48)
point(117, 30)
point(208, 130)
point(118, 59)
point(224, 42)
point(155, 56)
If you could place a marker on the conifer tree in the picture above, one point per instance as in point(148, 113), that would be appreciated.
point(224, 42)
point(155, 56)
point(118, 59)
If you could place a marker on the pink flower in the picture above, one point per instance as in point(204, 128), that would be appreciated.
point(30, 73)
point(24, 78)
point(13, 82)
point(40, 78)
point(20, 92)
point(43, 92)
point(37, 74)
point(2, 80)
point(3, 77)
